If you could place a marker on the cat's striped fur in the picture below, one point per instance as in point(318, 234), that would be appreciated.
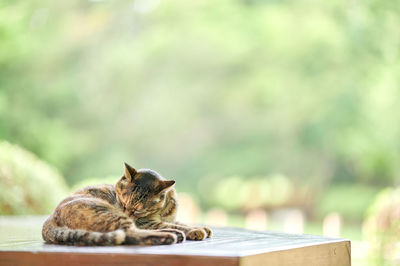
point(139, 210)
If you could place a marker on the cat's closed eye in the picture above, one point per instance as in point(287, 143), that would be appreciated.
point(156, 200)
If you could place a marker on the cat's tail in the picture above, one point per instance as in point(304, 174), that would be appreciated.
point(54, 234)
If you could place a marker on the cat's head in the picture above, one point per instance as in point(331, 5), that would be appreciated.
point(142, 192)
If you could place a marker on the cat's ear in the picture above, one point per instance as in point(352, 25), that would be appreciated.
point(129, 172)
point(166, 184)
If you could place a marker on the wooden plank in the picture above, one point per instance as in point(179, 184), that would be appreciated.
point(15, 258)
point(21, 244)
point(331, 254)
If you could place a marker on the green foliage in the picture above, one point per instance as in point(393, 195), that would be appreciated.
point(95, 181)
point(238, 193)
point(27, 184)
point(229, 88)
point(349, 200)
point(381, 228)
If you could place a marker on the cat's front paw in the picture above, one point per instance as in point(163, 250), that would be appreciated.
point(165, 239)
point(208, 231)
point(196, 234)
point(179, 234)
point(153, 238)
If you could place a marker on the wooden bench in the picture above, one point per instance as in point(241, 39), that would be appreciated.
point(21, 244)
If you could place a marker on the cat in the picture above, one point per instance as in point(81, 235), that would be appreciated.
point(139, 210)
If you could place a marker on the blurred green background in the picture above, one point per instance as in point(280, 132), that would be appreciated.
point(269, 107)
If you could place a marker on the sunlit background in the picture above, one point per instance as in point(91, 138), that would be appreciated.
point(269, 114)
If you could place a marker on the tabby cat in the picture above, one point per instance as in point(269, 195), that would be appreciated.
point(139, 210)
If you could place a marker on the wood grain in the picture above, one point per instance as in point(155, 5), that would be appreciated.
point(21, 244)
point(79, 259)
point(332, 254)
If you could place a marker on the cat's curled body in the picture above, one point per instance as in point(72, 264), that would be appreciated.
point(139, 210)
